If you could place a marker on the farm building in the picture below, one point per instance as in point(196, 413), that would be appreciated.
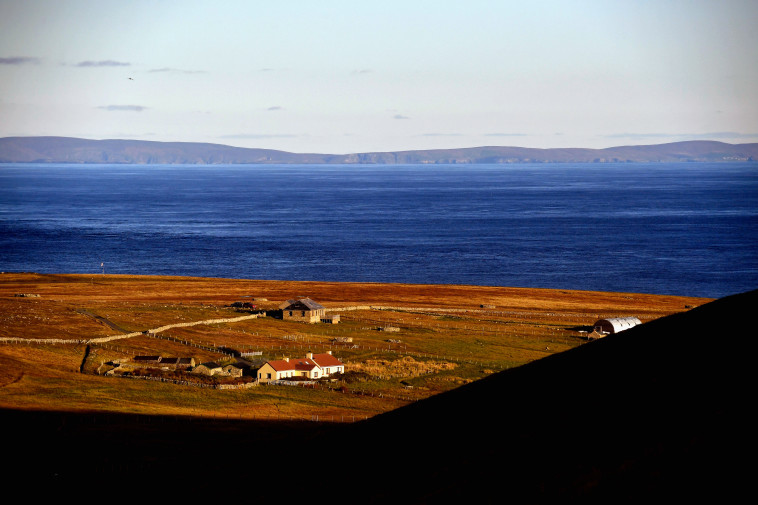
point(331, 319)
point(313, 366)
point(177, 362)
point(215, 369)
point(147, 359)
point(303, 309)
point(210, 368)
point(163, 362)
point(232, 371)
point(615, 324)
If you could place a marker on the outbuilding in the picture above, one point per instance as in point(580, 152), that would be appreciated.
point(147, 359)
point(615, 324)
point(177, 362)
point(232, 371)
point(331, 319)
point(210, 368)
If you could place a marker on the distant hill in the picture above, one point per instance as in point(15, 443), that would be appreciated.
point(75, 150)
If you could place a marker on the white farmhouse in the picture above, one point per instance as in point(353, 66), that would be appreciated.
point(313, 366)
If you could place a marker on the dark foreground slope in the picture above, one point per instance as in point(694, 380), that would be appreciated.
point(657, 412)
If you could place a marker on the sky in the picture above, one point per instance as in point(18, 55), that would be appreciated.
point(341, 77)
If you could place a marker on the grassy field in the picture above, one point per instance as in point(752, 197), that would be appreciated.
point(447, 336)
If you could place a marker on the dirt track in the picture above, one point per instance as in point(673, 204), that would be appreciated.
point(125, 334)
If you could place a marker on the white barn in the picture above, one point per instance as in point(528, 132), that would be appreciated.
point(615, 324)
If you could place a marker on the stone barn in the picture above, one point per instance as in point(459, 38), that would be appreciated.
point(211, 368)
point(615, 324)
point(303, 310)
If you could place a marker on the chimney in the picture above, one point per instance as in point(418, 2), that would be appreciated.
point(328, 352)
point(309, 355)
point(287, 360)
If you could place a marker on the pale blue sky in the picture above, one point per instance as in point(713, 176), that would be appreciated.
point(351, 76)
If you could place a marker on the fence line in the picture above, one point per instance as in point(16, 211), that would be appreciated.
point(179, 382)
point(273, 348)
point(249, 385)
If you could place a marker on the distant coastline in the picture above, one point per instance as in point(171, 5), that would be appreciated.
point(141, 152)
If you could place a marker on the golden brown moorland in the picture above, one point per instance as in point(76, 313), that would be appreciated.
point(53, 348)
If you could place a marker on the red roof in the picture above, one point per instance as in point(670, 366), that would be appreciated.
point(326, 359)
point(305, 364)
point(300, 364)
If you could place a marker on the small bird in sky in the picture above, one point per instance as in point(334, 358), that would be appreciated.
point(131, 79)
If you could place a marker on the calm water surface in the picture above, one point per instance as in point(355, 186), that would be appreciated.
point(689, 229)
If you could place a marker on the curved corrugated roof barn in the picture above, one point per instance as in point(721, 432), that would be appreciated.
point(616, 324)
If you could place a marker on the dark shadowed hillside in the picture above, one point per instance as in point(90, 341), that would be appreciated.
point(75, 150)
point(657, 412)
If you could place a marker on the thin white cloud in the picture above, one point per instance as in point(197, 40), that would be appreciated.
point(733, 135)
point(128, 108)
point(638, 135)
point(118, 135)
point(259, 136)
point(442, 135)
point(683, 136)
point(176, 71)
point(102, 63)
point(506, 134)
point(275, 107)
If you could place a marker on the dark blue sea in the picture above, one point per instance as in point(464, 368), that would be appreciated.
point(687, 229)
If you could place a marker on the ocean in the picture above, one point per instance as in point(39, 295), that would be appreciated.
point(682, 228)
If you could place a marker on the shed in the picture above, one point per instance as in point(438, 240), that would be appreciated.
point(232, 371)
point(615, 324)
point(177, 362)
point(331, 319)
point(190, 362)
point(210, 368)
point(147, 359)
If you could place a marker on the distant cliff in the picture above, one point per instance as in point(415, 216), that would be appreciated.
point(75, 150)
